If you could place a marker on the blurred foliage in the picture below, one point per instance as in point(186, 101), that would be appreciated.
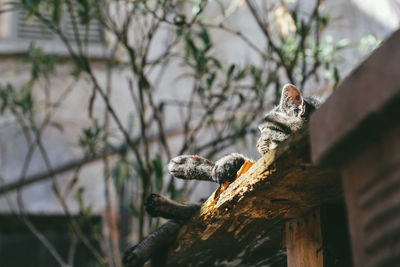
point(92, 138)
point(369, 42)
point(17, 101)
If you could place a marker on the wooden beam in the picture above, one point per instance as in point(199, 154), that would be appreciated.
point(304, 241)
point(244, 223)
point(356, 131)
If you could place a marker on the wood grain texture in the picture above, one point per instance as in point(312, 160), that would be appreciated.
point(243, 225)
point(304, 241)
point(355, 113)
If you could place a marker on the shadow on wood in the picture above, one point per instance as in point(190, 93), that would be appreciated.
point(243, 225)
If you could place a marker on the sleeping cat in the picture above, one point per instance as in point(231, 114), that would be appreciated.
point(278, 124)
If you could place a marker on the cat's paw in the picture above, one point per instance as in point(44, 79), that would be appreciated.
point(226, 168)
point(152, 205)
point(191, 167)
point(177, 166)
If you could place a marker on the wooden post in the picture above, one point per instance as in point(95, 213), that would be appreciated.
point(319, 239)
point(304, 245)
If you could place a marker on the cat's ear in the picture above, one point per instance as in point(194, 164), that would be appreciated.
point(292, 102)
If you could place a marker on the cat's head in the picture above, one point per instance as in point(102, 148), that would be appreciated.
point(278, 124)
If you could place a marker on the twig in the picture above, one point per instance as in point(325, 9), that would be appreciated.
point(25, 218)
point(160, 206)
point(162, 238)
point(76, 163)
point(110, 213)
point(273, 46)
point(74, 223)
point(240, 35)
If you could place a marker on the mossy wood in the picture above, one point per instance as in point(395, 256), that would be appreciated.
point(243, 224)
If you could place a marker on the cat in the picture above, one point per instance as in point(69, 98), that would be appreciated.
point(278, 124)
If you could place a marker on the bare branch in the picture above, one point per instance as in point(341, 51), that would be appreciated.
point(160, 206)
point(162, 238)
point(271, 43)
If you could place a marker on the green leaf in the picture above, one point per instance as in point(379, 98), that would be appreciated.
point(132, 54)
point(78, 68)
point(216, 62)
point(369, 42)
point(240, 75)
point(205, 37)
point(91, 138)
point(79, 195)
point(336, 77)
point(120, 173)
point(42, 63)
point(23, 99)
point(139, 171)
point(85, 11)
point(242, 98)
point(134, 210)
point(323, 21)
point(196, 7)
point(159, 172)
point(342, 44)
point(57, 11)
point(211, 79)
point(230, 71)
point(87, 212)
point(57, 125)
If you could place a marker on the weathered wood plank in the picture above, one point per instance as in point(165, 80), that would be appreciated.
point(243, 225)
point(365, 148)
point(304, 241)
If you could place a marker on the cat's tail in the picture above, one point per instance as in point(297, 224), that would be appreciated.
point(191, 167)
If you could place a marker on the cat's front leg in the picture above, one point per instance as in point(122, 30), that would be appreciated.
point(191, 167)
point(226, 168)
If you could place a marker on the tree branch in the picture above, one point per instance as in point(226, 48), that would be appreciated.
point(160, 206)
point(76, 163)
point(162, 238)
point(273, 46)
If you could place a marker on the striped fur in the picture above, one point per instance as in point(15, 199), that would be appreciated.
point(278, 124)
point(290, 115)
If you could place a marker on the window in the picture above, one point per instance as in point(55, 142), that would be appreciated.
point(18, 30)
point(33, 29)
